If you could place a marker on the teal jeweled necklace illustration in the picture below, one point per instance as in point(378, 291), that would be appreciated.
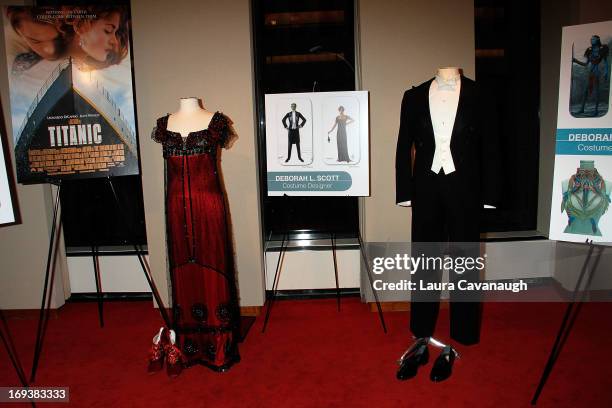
point(585, 200)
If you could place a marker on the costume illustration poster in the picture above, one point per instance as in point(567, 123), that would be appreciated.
point(317, 144)
point(583, 159)
point(71, 94)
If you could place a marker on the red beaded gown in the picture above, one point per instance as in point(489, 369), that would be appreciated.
point(204, 298)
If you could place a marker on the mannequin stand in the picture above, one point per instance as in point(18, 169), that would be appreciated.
point(43, 317)
point(571, 313)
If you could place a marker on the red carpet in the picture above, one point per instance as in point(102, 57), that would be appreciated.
point(313, 356)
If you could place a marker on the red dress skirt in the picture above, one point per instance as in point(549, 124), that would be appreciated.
point(204, 297)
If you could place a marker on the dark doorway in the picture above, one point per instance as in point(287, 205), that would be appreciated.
point(303, 46)
point(508, 63)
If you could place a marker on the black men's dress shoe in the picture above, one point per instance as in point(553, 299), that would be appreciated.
point(443, 366)
point(417, 356)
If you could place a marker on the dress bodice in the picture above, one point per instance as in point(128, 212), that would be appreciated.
point(205, 141)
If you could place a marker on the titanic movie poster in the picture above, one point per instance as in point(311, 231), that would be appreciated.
point(582, 183)
point(71, 94)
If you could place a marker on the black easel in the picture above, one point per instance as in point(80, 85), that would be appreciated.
point(43, 316)
point(7, 341)
point(367, 265)
point(279, 263)
point(141, 259)
point(571, 313)
point(96, 265)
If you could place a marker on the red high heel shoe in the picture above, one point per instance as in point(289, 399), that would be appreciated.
point(174, 357)
point(157, 352)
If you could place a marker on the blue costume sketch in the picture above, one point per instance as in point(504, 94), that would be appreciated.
point(597, 65)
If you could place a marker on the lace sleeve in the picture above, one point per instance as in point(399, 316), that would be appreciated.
point(224, 130)
point(158, 135)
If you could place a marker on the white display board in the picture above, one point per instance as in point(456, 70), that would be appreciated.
point(317, 144)
point(583, 157)
point(7, 213)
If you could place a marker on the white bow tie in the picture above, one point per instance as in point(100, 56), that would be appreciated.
point(447, 84)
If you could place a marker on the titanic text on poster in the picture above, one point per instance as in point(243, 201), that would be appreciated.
point(71, 95)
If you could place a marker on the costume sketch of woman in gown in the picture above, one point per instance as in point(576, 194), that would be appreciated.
point(342, 121)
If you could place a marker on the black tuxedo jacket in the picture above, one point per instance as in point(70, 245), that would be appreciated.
point(298, 117)
point(474, 144)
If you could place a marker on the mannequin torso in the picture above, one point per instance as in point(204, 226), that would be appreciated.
point(190, 117)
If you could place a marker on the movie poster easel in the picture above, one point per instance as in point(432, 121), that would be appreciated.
point(50, 270)
point(317, 144)
point(333, 240)
point(582, 181)
point(73, 117)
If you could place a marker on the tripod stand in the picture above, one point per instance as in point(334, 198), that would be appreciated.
point(571, 313)
point(7, 341)
point(50, 271)
point(279, 264)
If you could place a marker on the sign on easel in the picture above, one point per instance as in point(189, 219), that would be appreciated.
point(71, 94)
point(583, 157)
point(317, 144)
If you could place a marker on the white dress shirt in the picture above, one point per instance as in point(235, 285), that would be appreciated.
point(443, 102)
point(293, 120)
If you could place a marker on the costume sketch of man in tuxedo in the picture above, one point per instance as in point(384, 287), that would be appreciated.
point(293, 121)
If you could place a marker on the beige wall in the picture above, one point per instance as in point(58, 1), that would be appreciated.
point(402, 44)
point(199, 48)
point(23, 248)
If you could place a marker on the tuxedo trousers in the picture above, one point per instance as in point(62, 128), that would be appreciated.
point(293, 138)
point(445, 226)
